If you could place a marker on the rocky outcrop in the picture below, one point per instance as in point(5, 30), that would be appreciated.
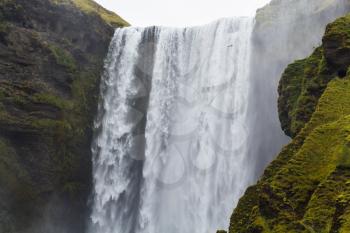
point(285, 30)
point(304, 81)
point(306, 189)
point(51, 58)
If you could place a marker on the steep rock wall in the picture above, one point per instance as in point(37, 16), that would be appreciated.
point(51, 58)
point(306, 188)
point(285, 30)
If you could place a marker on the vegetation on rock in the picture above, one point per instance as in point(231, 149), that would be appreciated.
point(306, 189)
point(304, 81)
point(51, 58)
point(91, 7)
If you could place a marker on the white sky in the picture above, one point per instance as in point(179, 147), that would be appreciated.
point(180, 12)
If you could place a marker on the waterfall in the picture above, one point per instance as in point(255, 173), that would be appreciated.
point(188, 117)
point(172, 130)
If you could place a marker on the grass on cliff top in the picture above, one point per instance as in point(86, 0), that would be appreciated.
point(90, 6)
point(340, 28)
point(110, 17)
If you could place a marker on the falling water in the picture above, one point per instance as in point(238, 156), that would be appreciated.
point(171, 144)
point(188, 117)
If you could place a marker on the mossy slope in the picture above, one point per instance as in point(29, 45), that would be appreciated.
point(304, 81)
point(91, 7)
point(306, 189)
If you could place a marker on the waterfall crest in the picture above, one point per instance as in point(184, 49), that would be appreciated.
point(188, 117)
point(172, 138)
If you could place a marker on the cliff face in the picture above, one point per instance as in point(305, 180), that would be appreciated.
point(285, 30)
point(51, 58)
point(304, 81)
point(306, 189)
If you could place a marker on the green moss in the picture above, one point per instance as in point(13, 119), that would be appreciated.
point(3, 26)
point(241, 219)
point(47, 106)
point(63, 58)
point(329, 201)
point(48, 126)
point(306, 189)
point(69, 130)
point(302, 83)
point(344, 220)
point(77, 129)
point(91, 7)
point(13, 178)
point(340, 29)
point(336, 43)
point(50, 99)
point(319, 154)
point(345, 158)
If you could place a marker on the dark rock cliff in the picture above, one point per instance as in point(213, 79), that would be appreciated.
point(51, 58)
point(306, 189)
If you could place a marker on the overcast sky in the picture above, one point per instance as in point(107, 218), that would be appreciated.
point(180, 12)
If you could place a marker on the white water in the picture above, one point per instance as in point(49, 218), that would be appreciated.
point(176, 143)
point(170, 151)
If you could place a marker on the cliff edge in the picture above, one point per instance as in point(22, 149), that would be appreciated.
point(51, 58)
point(306, 189)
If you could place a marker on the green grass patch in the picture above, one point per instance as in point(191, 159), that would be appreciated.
point(63, 58)
point(50, 99)
point(91, 7)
